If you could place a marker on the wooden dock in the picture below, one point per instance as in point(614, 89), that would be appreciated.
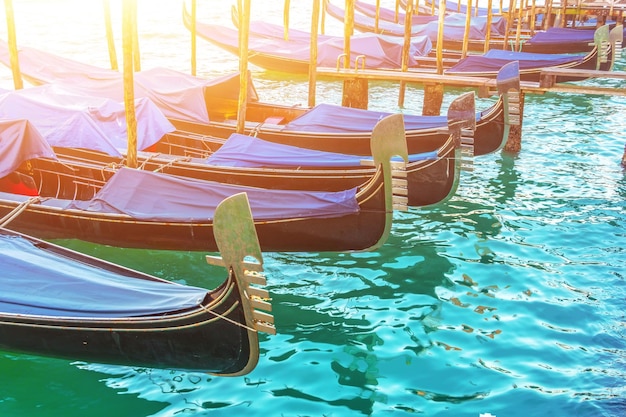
point(485, 87)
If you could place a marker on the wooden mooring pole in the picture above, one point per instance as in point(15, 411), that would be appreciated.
point(109, 32)
point(128, 42)
point(244, 30)
point(406, 48)
point(433, 93)
point(315, 21)
point(356, 90)
point(15, 65)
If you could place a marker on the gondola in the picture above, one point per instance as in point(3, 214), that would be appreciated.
point(566, 40)
point(244, 160)
point(269, 49)
point(143, 209)
point(388, 15)
point(429, 6)
point(61, 303)
point(453, 33)
point(599, 56)
point(348, 133)
point(531, 64)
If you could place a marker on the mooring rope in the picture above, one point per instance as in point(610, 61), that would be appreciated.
point(18, 210)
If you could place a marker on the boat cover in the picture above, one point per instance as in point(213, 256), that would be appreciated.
point(340, 119)
point(389, 15)
point(70, 120)
point(178, 95)
point(38, 282)
point(19, 142)
point(146, 195)
point(249, 151)
point(557, 35)
point(380, 51)
point(495, 59)
point(453, 6)
point(453, 30)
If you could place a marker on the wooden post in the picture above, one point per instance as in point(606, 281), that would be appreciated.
point(547, 19)
point(533, 17)
point(514, 141)
point(109, 33)
point(488, 29)
point(397, 10)
point(466, 34)
point(11, 38)
point(377, 16)
point(313, 58)
point(578, 16)
point(563, 14)
point(442, 8)
point(509, 22)
point(193, 36)
point(355, 91)
point(433, 97)
point(406, 48)
point(244, 29)
point(286, 19)
point(518, 32)
point(323, 19)
point(624, 157)
point(129, 84)
point(348, 29)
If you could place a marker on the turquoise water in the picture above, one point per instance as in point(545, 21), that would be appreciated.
point(507, 299)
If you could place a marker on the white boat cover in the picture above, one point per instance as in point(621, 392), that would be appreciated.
point(72, 120)
point(19, 142)
point(178, 95)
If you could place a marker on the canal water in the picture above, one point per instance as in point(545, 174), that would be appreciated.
point(507, 299)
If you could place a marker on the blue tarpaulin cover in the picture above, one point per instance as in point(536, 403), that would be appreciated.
point(495, 59)
point(453, 30)
point(555, 35)
point(249, 151)
point(146, 195)
point(389, 15)
point(453, 6)
point(38, 282)
point(380, 51)
point(339, 119)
